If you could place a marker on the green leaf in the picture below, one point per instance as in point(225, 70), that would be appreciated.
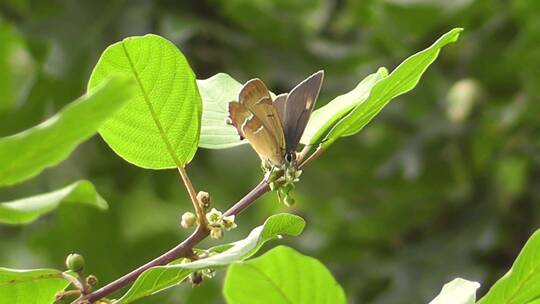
point(216, 93)
point(26, 154)
point(282, 275)
point(459, 291)
point(159, 278)
point(38, 286)
point(325, 117)
point(403, 79)
point(159, 127)
point(522, 283)
point(27, 210)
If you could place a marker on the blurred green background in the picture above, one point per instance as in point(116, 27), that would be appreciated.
point(444, 183)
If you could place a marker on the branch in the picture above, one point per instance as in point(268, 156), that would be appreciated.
point(180, 250)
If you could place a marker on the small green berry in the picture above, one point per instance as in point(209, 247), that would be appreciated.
point(75, 262)
point(188, 220)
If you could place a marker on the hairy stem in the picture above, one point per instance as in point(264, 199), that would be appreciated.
point(181, 250)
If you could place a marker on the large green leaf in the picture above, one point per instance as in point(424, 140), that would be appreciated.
point(459, 291)
point(522, 283)
point(403, 79)
point(26, 154)
point(159, 127)
point(325, 117)
point(282, 275)
point(216, 93)
point(27, 210)
point(37, 286)
point(158, 278)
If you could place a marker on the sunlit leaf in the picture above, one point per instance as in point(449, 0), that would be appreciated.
point(282, 275)
point(324, 118)
point(159, 278)
point(27, 210)
point(403, 79)
point(216, 93)
point(159, 127)
point(459, 291)
point(521, 283)
point(26, 154)
point(36, 286)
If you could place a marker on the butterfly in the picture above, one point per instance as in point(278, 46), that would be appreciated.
point(274, 127)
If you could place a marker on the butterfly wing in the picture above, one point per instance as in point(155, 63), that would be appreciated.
point(256, 97)
point(249, 126)
point(298, 107)
point(279, 103)
point(256, 119)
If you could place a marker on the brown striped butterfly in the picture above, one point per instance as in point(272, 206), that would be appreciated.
point(274, 127)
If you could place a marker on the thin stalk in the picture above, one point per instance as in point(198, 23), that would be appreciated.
point(193, 196)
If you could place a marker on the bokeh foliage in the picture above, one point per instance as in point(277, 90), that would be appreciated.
point(442, 184)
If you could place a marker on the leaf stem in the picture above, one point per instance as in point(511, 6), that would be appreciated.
point(193, 196)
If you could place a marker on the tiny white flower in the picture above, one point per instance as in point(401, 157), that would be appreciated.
point(214, 216)
point(228, 222)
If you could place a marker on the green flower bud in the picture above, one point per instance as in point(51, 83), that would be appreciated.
point(188, 220)
point(75, 262)
point(216, 233)
point(297, 175)
point(228, 222)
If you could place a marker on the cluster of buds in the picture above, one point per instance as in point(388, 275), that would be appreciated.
point(217, 223)
point(283, 182)
point(82, 284)
point(189, 219)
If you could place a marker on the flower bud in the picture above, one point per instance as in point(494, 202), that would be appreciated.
point(204, 199)
point(216, 233)
point(75, 262)
point(196, 278)
point(91, 280)
point(188, 220)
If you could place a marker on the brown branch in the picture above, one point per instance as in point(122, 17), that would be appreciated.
point(180, 250)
